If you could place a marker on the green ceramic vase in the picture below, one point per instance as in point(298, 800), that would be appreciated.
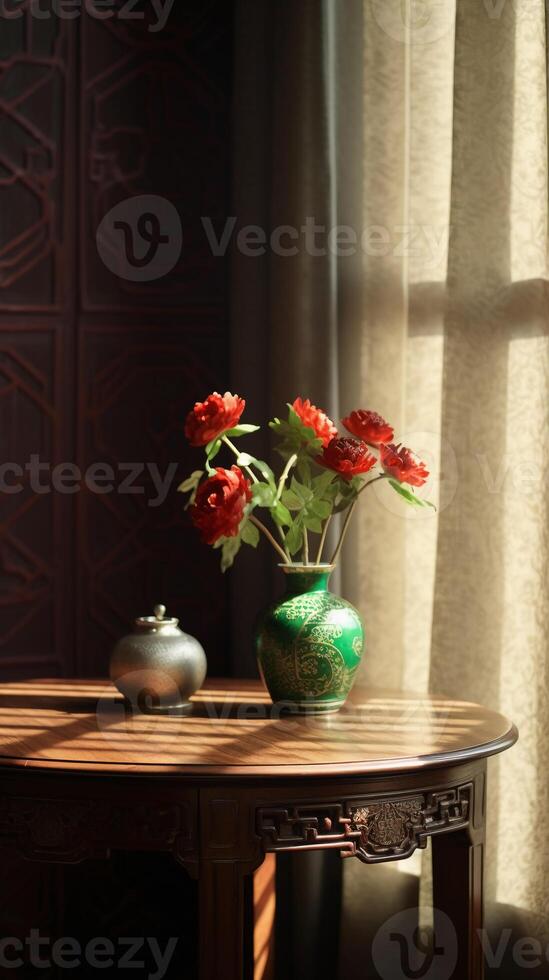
point(309, 643)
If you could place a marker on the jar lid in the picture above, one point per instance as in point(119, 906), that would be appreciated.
point(158, 621)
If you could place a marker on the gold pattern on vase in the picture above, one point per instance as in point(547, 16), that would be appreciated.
point(309, 644)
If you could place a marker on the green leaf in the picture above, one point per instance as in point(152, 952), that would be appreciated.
point(347, 494)
point(250, 534)
point(356, 483)
point(331, 492)
point(312, 523)
point(290, 437)
point(212, 450)
point(305, 431)
point(266, 472)
point(291, 500)
point(263, 495)
point(191, 486)
point(241, 430)
point(229, 550)
point(281, 515)
point(295, 437)
point(303, 468)
point(191, 482)
point(409, 496)
point(294, 537)
point(303, 492)
point(320, 508)
point(324, 482)
point(212, 447)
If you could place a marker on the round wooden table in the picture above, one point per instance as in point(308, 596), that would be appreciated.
point(81, 775)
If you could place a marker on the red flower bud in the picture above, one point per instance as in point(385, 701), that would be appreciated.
point(348, 457)
point(210, 419)
point(368, 426)
point(403, 465)
point(219, 506)
point(315, 419)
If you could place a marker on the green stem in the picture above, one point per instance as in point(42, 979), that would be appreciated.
point(281, 483)
point(282, 551)
point(305, 546)
point(381, 476)
point(269, 536)
point(322, 540)
point(344, 529)
point(232, 446)
point(283, 542)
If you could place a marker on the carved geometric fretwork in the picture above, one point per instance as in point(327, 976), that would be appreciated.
point(34, 81)
point(374, 830)
point(308, 827)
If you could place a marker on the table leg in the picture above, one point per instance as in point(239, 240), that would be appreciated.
point(458, 892)
point(310, 893)
point(225, 897)
point(264, 912)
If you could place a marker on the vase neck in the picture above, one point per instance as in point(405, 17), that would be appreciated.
point(300, 580)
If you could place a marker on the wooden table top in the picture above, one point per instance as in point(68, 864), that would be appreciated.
point(70, 725)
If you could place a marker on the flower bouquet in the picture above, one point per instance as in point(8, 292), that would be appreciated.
point(310, 643)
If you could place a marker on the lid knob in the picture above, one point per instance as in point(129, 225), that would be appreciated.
point(157, 622)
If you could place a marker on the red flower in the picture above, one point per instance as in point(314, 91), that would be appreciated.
point(315, 419)
point(209, 419)
point(403, 465)
point(219, 505)
point(368, 426)
point(348, 457)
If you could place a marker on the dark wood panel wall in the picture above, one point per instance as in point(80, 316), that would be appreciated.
point(97, 367)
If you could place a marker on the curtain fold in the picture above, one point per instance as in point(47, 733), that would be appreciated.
point(420, 131)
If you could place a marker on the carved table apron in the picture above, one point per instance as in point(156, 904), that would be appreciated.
point(81, 776)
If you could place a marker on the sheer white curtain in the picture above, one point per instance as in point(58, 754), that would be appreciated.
point(422, 128)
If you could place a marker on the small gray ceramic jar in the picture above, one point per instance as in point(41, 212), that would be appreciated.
point(158, 667)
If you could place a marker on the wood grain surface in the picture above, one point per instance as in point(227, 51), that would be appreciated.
point(235, 730)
